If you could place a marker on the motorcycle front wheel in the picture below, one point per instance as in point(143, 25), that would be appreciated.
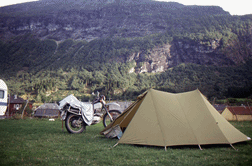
point(75, 124)
point(114, 114)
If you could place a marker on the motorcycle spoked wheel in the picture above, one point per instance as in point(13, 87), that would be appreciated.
point(114, 114)
point(75, 124)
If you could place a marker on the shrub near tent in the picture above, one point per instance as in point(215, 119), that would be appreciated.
point(165, 119)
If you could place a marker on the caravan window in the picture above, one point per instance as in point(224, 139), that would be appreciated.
point(1, 94)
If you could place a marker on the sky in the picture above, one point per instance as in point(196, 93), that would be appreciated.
point(238, 7)
point(235, 7)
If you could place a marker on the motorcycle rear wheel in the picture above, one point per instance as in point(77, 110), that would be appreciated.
point(75, 124)
point(114, 114)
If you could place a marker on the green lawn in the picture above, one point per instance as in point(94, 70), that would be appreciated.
point(42, 142)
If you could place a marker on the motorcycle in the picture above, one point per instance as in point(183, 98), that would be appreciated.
point(77, 115)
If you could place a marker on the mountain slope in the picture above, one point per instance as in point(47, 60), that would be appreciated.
point(136, 36)
point(206, 33)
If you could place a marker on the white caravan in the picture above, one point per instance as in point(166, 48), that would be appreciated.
point(3, 97)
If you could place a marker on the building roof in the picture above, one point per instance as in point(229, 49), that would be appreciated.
point(219, 107)
point(47, 106)
point(16, 100)
point(47, 110)
point(240, 110)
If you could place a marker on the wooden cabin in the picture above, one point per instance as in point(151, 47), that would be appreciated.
point(15, 104)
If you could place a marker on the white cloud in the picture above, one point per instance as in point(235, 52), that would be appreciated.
point(11, 2)
point(240, 7)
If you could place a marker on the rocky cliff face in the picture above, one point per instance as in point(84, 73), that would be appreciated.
point(156, 60)
point(198, 53)
point(163, 57)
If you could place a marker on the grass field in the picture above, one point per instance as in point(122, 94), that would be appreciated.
point(42, 142)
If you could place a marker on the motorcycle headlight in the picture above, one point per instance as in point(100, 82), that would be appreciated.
point(102, 97)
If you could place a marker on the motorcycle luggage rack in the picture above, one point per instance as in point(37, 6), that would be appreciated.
point(74, 111)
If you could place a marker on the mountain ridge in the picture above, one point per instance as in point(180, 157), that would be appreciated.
point(64, 23)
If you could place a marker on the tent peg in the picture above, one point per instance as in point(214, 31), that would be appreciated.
point(233, 147)
point(115, 145)
point(200, 147)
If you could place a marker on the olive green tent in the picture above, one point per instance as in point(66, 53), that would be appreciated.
point(165, 119)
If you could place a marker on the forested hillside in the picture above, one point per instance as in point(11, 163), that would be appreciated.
point(49, 49)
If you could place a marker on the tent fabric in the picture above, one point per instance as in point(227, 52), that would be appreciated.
point(166, 119)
